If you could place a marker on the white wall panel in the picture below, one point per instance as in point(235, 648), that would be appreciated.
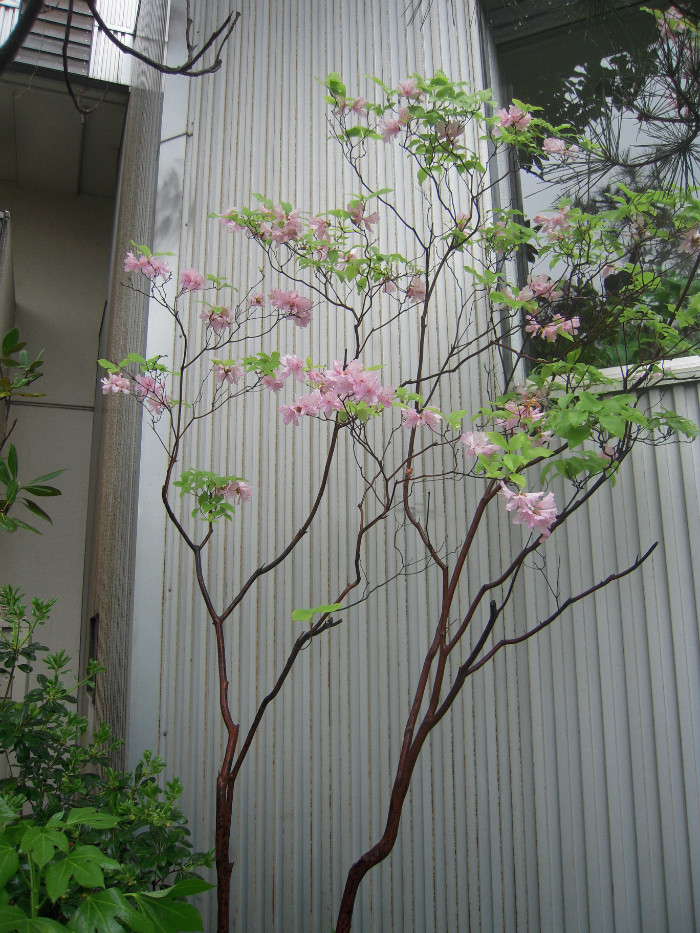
point(561, 792)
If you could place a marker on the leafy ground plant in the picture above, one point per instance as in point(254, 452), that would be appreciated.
point(82, 846)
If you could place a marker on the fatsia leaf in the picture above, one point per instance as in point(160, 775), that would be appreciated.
point(14, 920)
point(169, 916)
point(9, 862)
point(101, 912)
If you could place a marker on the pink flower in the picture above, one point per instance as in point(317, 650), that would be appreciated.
point(292, 365)
point(553, 226)
point(291, 413)
point(404, 116)
point(449, 131)
point(514, 117)
point(359, 106)
point(554, 146)
point(476, 443)
point(540, 286)
point(388, 286)
point(412, 418)
point(132, 263)
point(256, 301)
point(115, 383)
point(229, 372)
point(320, 228)
point(357, 216)
point(217, 318)
point(534, 509)
point(152, 394)
point(416, 290)
point(192, 281)
point(409, 88)
point(237, 489)
point(389, 129)
point(152, 267)
point(558, 325)
point(274, 383)
point(298, 308)
point(690, 243)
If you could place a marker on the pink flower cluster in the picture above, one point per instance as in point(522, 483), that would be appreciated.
point(412, 418)
point(151, 266)
point(526, 413)
point(280, 226)
point(409, 88)
point(152, 394)
point(534, 509)
point(296, 308)
point(237, 490)
point(390, 127)
point(553, 227)
point(476, 443)
point(217, 318)
point(358, 106)
point(358, 217)
point(229, 372)
point(320, 228)
point(556, 326)
point(333, 388)
point(416, 290)
point(690, 243)
point(557, 147)
point(449, 131)
point(515, 117)
point(539, 286)
point(115, 383)
point(192, 281)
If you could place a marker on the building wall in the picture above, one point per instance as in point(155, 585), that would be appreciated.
point(60, 254)
point(561, 792)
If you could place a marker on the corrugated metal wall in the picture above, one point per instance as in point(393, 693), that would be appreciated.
point(561, 794)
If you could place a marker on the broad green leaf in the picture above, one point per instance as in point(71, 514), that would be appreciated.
point(169, 916)
point(9, 862)
point(184, 888)
point(14, 920)
point(101, 912)
point(90, 816)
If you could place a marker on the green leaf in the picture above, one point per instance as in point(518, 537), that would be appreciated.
point(42, 479)
point(9, 862)
point(42, 490)
point(90, 816)
point(12, 461)
point(169, 916)
point(101, 912)
point(4, 473)
point(37, 510)
point(185, 888)
point(305, 615)
point(57, 877)
point(14, 920)
point(10, 341)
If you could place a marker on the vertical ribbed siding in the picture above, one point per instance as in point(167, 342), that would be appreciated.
point(561, 792)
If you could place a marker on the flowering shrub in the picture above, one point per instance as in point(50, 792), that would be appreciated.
point(548, 414)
